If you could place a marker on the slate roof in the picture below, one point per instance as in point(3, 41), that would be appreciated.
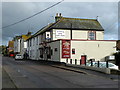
point(80, 24)
point(72, 23)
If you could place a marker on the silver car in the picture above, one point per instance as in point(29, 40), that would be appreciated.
point(18, 57)
point(103, 65)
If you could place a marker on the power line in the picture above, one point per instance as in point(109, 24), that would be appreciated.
point(33, 14)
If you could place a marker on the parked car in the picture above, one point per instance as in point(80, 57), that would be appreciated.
point(103, 65)
point(18, 57)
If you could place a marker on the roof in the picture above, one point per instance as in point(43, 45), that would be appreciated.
point(72, 23)
point(25, 37)
point(77, 23)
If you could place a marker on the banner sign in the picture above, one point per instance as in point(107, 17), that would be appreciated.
point(66, 46)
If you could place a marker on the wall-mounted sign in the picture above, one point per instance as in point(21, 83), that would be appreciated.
point(60, 33)
point(66, 46)
point(111, 57)
point(48, 35)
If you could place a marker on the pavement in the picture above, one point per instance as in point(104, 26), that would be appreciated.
point(7, 82)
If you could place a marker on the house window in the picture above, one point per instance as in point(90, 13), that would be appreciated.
point(33, 41)
point(91, 35)
point(41, 52)
point(73, 51)
point(37, 41)
point(30, 43)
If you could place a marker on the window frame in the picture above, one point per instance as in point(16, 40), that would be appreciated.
point(94, 36)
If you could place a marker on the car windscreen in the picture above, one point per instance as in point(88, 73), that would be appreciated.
point(18, 55)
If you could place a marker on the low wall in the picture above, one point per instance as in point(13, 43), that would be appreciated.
point(103, 70)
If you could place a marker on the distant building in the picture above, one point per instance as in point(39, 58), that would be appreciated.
point(17, 44)
point(10, 46)
point(20, 44)
point(70, 38)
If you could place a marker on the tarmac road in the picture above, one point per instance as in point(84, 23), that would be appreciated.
point(30, 74)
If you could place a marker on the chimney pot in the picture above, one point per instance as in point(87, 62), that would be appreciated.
point(58, 17)
point(56, 14)
point(59, 14)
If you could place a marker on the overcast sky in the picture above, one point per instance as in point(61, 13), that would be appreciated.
point(12, 12)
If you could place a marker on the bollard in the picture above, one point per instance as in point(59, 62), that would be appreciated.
point(85, 62)
point(75, 61)
point(91, 63)
point(106, 64)
point(98, 63)
point(67, 60)
point(80, 61)
point(70, 61)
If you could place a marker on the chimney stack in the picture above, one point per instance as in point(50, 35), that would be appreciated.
point(58, 17)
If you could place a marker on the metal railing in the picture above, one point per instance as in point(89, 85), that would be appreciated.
point(79, 62)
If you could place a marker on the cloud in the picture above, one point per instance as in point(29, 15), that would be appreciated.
point(12, 12)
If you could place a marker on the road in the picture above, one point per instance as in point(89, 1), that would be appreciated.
point(31, 74)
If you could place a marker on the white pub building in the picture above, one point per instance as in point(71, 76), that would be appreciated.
point(70, 38)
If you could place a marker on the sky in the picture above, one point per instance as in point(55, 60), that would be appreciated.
point(12, 12)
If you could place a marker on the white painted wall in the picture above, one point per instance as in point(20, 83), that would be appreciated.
point(93, 49)
point(33, 50)
point(99, 35)
point(56, 54)
point(76, 34)
point(17, 45)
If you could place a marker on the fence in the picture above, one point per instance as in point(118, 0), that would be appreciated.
point(90, 63)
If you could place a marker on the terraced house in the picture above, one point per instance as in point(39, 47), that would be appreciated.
point(70, 38)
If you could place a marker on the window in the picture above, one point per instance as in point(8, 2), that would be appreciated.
point(37, 41)
point(55, 49)
point(49, 52)
point(41, 52)
point(91, 35)
point(30, 42)
point(33, 41)
point(73, 51)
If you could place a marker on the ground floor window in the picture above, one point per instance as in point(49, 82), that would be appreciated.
point(49, 52)
point(41, 52)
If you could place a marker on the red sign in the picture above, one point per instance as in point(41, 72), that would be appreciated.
point(66, 46)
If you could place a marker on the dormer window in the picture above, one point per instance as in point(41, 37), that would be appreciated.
point(92, 35)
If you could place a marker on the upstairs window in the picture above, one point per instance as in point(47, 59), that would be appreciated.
point(91, 35)
point(30, 43)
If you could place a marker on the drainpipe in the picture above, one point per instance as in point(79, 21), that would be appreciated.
point(71, 31)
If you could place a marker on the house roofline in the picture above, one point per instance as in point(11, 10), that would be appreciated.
point(80, 29)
